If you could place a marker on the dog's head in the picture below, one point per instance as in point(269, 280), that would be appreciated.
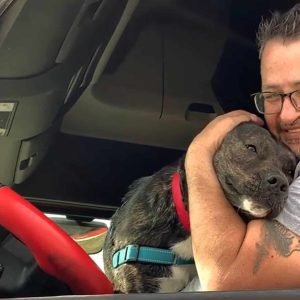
point(255, 171)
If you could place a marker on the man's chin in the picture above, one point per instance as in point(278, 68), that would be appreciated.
point(294, 145)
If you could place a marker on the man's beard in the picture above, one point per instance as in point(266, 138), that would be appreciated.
point(294, 145)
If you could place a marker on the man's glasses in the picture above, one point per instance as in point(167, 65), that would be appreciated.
point(269, 103)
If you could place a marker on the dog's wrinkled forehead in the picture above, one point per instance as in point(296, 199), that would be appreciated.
point(250, 130)
point(251, 134)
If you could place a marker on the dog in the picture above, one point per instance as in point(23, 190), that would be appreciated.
point(148, 247)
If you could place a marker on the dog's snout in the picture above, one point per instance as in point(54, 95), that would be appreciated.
point(277, 182)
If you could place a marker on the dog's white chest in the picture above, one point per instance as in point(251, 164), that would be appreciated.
point(184, 248)
point(181, 274)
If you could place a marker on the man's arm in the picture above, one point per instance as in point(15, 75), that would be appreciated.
point(228, 253)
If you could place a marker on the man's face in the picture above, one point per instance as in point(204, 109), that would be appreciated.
point(280, 72)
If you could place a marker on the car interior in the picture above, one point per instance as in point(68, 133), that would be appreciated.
point(97, 93)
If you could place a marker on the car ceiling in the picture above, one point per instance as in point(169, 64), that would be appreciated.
point(176, 66)
point(145, 72)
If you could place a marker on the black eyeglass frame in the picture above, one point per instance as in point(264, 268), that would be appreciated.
point(282, 96)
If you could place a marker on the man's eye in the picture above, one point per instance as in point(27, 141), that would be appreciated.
point(251, 148)
point(272, 97)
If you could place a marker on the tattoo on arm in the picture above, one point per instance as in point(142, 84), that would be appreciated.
point(276, 236)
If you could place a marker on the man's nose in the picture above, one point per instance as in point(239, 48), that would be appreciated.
point(288, 112)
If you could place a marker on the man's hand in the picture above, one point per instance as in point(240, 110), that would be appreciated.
point(212, 136)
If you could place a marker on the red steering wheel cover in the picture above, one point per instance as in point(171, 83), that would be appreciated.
point(55, 252)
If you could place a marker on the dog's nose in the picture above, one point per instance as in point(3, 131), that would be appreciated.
point(277, 182)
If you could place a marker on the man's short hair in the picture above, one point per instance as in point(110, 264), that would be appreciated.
point(285, 26)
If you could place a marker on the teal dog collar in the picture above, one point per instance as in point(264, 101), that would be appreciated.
point(143, 254)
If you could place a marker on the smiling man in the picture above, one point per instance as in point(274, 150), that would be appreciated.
point(261, 254)
point(280, 65)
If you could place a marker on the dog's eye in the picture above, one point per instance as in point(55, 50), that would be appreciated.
point(251, 148)
point(291, 173)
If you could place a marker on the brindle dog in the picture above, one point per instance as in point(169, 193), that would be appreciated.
point(254, 171)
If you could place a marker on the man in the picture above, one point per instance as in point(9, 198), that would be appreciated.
point(263, 254)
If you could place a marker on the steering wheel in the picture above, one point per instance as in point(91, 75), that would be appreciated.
point(55, 252)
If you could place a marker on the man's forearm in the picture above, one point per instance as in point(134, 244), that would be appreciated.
point(217, 231)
